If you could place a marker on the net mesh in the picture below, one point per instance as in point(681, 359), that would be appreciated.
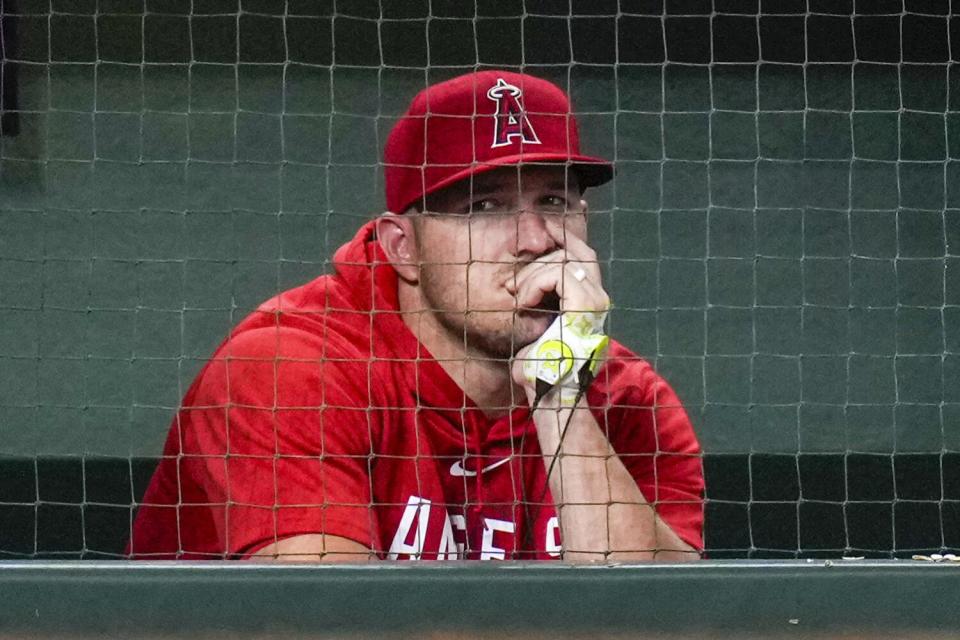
point(780, 239)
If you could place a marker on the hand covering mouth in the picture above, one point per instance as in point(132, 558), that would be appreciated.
point(549, 305)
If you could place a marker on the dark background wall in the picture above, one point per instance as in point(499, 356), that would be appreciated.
point(780, 240)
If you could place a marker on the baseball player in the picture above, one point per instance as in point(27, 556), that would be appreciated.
point(449, 391)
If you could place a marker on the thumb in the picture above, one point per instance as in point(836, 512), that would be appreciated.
point(516, 370)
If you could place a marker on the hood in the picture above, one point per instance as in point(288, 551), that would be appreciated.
point(363, 267)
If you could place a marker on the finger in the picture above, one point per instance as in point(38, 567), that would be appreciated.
point(537, 282)
point(563, 255)
point(575, 273)
point(577, 251)
point(552, 258)
point(585, 295)
point(566, 278)
point(575, 246)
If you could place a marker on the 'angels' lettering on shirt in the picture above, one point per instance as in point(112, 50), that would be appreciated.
point(416, 537)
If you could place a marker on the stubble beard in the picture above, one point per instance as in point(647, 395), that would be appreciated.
point(498, 335)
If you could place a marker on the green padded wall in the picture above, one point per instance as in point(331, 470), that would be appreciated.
point(781, 239)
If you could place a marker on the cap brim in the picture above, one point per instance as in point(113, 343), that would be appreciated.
point(592, 172)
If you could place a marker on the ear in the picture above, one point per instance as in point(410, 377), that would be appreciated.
point(396, 235)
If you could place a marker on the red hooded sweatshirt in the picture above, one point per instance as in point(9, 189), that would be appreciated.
point(322, 413)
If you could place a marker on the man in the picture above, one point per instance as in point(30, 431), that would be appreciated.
point(397, 409)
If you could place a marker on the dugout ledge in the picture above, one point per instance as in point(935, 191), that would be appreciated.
point(737, 597)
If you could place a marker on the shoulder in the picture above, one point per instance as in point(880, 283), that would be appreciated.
point(313, 321)
point(633, 393)
point(323, 294)
point(626, 373)
point(288, 356)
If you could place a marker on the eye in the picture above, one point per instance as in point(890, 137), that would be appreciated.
point(557, 204)
point(485, 205)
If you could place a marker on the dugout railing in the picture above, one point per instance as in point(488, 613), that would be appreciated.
point(789, 599)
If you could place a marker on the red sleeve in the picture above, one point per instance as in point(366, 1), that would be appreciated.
point(652, 434)
point(277, 436)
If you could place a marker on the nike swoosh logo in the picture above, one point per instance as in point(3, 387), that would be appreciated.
point(456, 469)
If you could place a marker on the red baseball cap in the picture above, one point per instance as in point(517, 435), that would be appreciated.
point(478, 122)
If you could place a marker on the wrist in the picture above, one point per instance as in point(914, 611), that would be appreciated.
point(575, 427)
point(562, 363)
point(559, 399)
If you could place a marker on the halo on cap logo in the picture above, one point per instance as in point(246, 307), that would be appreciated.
point(511, 121)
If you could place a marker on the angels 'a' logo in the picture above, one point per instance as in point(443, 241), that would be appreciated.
point(510, 119)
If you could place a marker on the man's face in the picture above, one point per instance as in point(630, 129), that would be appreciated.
point(476, 235)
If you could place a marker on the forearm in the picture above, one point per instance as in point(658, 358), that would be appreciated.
point(314, 547)
point(603, 514)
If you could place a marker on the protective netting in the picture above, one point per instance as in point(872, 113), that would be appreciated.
point(780, 239)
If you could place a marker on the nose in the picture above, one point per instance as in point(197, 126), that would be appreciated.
point(532, 234)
